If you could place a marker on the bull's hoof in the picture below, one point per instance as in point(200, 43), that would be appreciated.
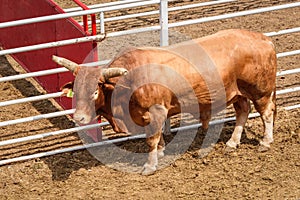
point(148, 171)
point(263, 148)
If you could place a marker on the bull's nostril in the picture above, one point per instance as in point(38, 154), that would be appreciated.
point(82, 119)
point(79, 118)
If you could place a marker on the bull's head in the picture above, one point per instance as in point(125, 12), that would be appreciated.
point(90, 87)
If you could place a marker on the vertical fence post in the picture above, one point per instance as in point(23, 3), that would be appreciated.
point(164, 41)
point(163, 21)
point(102, 29)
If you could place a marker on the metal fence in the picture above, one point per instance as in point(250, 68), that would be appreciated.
point(100, 9)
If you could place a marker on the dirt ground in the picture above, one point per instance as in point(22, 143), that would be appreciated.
point(243, 174)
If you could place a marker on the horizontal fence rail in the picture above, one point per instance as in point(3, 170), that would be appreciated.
point(205, 19)
point(115, 3)
point(155, 12)
point(31, 99)
point(290, 53)
point(54, 133)
point(282, 32)
point(236, 14)
point(52, 44)
point(49, 71)
point(37, 117)
point(75, 14)
point(287, 72)
point(105, 8)
point(288, 90)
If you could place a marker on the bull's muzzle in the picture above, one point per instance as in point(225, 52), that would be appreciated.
point(82, 117)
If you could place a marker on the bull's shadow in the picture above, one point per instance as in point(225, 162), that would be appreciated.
point(220, 137)
point(129, 156)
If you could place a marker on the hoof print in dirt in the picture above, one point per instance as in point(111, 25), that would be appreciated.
point(263, 148)
point(229, 150)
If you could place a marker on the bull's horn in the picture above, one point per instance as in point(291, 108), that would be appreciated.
point(70, 65)
point(113, 72)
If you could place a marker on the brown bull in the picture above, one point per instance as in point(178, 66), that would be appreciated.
point(244, 61)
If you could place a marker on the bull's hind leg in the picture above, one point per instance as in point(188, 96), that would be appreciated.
point(266, 106)
point(205, 117)
point(161, 147)
point(242, 109)
point(157, 115)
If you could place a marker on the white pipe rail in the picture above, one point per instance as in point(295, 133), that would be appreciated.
point(232, 15)
point(288, 90)
point(133, 31)
point(53, 133)
point(31, 99)
point(52, 44)
point(74, 14)
point(99, 37)
point(207, 19)
point(144, 3)
point(287, 72)
point(49, 71)
point(102, 143)
point(290, 53)
point(282, 32)
point(33, 74)
point(115, 3)
point(155, 12)
point(37, 117)
point(292, 107)
point(120, 33)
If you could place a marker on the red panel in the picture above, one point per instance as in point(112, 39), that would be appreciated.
point(41, 33)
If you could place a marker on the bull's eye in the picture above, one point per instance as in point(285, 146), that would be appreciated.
point(95, 95)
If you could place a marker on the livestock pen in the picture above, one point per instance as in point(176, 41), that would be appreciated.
point(27, 146)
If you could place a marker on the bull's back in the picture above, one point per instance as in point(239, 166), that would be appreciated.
point(245, 60)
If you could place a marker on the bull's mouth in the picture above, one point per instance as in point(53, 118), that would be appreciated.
point(84, 119)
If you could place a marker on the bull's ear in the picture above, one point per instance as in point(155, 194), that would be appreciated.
point(109, 86)
point(67, 89)
point(70, 65)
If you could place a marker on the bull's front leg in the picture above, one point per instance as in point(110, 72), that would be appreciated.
point(157, 115)
point(117, 125)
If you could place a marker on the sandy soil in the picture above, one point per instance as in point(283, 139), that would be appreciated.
point(243, 174)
